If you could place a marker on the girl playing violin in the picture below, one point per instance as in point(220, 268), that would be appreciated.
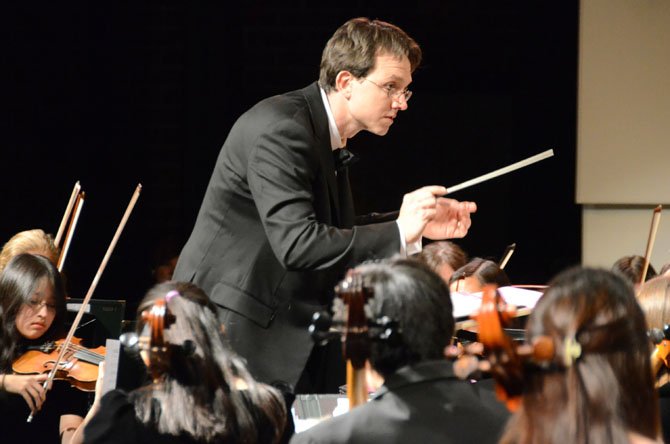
point(32, 311)
point(201, 391)
point(598, 387)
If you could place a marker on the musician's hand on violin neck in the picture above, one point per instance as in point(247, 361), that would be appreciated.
point(30, 387)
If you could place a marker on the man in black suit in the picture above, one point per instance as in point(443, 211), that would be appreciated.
point(276, 229)
point(421, 400)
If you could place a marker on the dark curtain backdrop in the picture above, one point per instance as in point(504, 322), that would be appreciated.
point(113, 94)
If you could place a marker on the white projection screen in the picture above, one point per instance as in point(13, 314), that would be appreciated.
point(623, 134)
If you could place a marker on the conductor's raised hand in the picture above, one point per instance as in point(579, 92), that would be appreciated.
point(451, 219)
point(418, 208)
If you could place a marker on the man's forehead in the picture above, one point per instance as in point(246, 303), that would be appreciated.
point(392, 67)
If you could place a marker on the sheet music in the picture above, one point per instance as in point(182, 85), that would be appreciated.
point(467, 303)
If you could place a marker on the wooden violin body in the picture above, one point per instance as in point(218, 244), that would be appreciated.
point(79, 365)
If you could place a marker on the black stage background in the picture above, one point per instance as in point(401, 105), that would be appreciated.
point(116, 94)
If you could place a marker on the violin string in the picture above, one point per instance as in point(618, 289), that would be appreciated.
point(86, 353)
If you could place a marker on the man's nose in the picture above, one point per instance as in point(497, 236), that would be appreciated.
point(400, 103)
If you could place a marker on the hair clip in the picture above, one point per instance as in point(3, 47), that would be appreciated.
point(170, 294)
point(572, 350)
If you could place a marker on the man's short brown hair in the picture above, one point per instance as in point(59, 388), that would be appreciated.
point(355, 45)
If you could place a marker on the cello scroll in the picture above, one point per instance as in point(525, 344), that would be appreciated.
point(506, 360)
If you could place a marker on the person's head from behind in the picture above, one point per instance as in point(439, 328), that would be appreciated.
point(598, 387)
point(199, 370)
point(30, 241)
point(370, 62)
point(631, 267)
point(32, 303)
point(409, 293)
point(194, 321)
point(473, 276)
point(654, 298)
point(443, 257)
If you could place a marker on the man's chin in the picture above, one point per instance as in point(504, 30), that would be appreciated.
point(381, 131)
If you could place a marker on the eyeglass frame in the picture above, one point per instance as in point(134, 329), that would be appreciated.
point(36, 305)
point(406, 93)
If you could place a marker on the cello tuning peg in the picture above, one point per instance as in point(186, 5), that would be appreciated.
point(321, 321)
point(656, 335)
point(387, 329)
point(666, 331)
point(130, 341)
point(319, 329)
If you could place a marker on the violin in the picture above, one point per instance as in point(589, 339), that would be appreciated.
point(506, 360)
point(79, 365)
point(660, 355)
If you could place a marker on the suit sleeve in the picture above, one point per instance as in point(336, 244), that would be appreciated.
point(282, 170)
point(373, 218)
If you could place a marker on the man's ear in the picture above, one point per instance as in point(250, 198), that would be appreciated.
point(343, 83)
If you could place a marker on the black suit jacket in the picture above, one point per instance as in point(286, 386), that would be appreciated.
point(276, 231)
point(422, 404)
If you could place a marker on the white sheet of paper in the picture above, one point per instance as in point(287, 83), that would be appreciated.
point(467, 303)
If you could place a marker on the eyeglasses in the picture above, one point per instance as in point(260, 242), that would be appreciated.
point(36, 305)
point(393, 93)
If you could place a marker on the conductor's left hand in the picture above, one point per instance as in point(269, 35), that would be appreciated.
point(451, 220)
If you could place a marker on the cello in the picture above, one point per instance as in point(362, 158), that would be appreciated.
point(505, 359)
point(355, 330)
point(356, 339)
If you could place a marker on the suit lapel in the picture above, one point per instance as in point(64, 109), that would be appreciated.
point(325, 152)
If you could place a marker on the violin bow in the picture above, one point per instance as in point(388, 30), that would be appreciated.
point(79, 204)
point(66, 216)
point(91, 289)
point(655, 220)
point(509, 251)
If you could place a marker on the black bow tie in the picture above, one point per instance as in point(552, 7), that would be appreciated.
point(343, 158)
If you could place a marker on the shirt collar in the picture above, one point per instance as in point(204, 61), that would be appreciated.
point(335, 138)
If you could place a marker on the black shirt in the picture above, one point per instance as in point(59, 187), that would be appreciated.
point(62, 399)
point(116, 422)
